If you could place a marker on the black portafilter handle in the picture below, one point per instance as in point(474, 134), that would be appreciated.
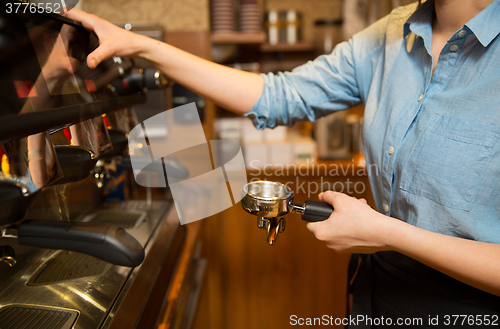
point(106, 242)
point(316, 211)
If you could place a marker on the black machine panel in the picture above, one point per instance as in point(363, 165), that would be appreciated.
point(43, 61)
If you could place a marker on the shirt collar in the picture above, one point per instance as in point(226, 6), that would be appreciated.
point(420, 22)
point(486, 24)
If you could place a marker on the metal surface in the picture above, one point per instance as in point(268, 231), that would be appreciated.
point(27, 165)
point(97, 296)
point(118, 217)
point(89, 134)
point(32, 317)
point(68, 265)
point(41, 94)
point(261, 222)
point(266, 199)
point(140, 303)
point(13, 127)
point(39, 90)
point(7, 255)
point(274, 227)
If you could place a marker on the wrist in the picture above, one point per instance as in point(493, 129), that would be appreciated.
point(387, 232)
point(399, 235)
point(145, 47)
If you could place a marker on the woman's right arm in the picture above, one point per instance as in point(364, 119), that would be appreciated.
point(232, 89)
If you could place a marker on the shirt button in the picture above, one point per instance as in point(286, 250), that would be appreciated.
point(391, 150)
point(386, 208)
point(453, 47)
point(421, 97)
point(462, 33)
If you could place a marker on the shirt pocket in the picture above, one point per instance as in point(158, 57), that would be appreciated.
point(446, 162)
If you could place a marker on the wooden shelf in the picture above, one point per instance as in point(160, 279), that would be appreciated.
point(285, 47)
point(238, 38)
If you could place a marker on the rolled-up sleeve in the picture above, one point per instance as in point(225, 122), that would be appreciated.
point(310, 91)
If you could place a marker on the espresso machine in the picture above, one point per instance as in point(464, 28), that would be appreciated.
point(68, 257)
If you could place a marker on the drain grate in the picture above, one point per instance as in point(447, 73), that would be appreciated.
point(33, 317)
point(68, 265)
point(120, 218)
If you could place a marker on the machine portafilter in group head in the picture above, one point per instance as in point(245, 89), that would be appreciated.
point(269, 201)
point(30, 164)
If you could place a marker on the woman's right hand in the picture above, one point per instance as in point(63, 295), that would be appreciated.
point(232, 89)
point(113, 40)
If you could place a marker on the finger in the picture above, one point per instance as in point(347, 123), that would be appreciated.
point(87, 20)
point(93, 59)
point(313, 227)
point(320, 196)
point(363, 200)
point(330, 196)
point(99, 54)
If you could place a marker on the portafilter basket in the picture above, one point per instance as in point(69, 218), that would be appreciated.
point(270, 200)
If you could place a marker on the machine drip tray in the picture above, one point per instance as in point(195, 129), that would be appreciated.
point(120, 218)
point(68, 265)
point(33, 317)
point(104, 295)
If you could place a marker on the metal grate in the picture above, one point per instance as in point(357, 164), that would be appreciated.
point(32, 317)
point(120, 218)
point(68, 265)
point(142, 205)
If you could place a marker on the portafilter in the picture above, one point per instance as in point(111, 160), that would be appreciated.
point(269, 201)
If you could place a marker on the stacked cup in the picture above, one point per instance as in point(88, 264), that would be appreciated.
point(222, 16)
point(249, 16)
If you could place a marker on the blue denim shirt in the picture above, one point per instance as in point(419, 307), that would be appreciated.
point(433, 137)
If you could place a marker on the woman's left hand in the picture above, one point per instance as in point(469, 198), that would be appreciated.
point(355, 227)
point(352, 227)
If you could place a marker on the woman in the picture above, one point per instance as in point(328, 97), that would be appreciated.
point(429, 79)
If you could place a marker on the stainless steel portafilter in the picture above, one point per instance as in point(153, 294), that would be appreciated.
point(269, 201)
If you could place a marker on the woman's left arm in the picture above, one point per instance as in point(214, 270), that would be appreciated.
point(356, 227)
